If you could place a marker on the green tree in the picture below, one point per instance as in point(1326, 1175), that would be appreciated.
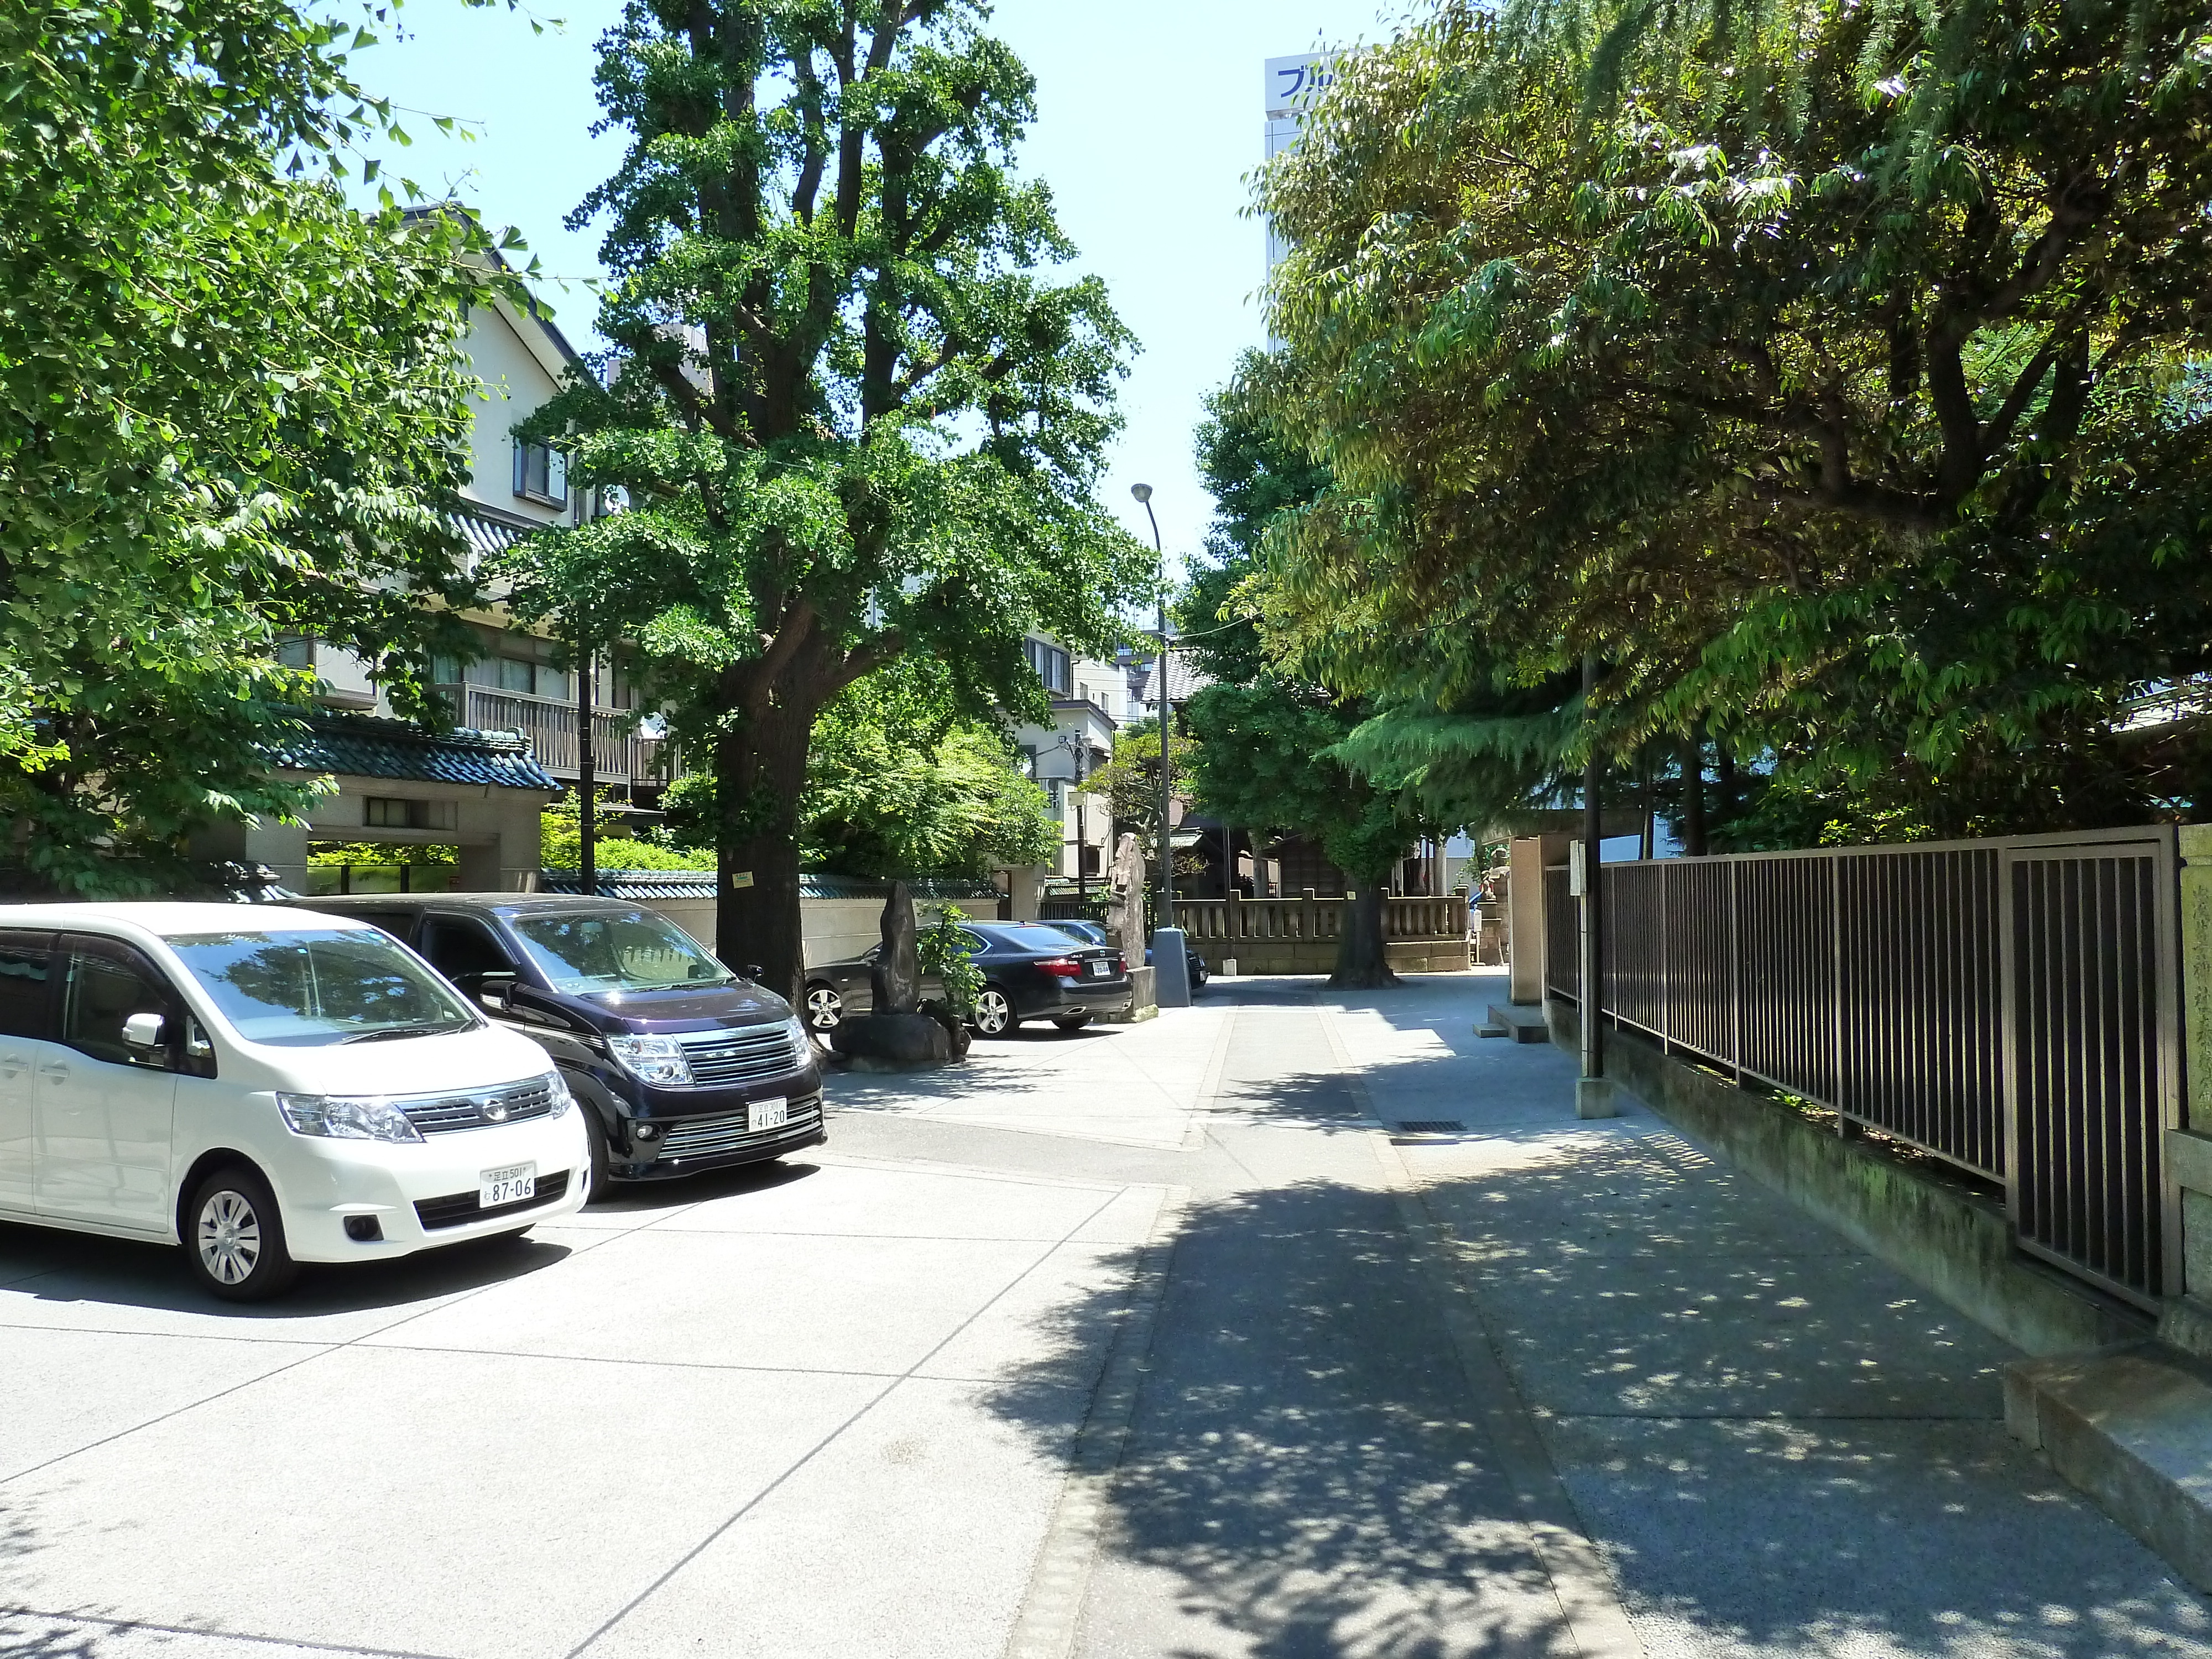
point(850, 417)
point(899, 786)
point(230, 410)
point(1266, 734)
point(1819, 366)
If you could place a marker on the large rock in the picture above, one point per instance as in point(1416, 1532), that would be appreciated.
point(892, 1042)
point(895, 982)
point(1125, 907)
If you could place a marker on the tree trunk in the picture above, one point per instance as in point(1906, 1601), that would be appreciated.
point(1362, 959)
point(760, 769)
point(1729, 804)
point(1693, 794)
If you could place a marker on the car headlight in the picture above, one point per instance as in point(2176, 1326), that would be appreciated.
point(556, 1087)
point(658, 1060)
point(346, 1117)
point(800, 1038)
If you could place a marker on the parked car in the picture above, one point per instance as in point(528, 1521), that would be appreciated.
point(1030, 971)
point(264, 1087)
point(682, 1066)
point(1093, 933)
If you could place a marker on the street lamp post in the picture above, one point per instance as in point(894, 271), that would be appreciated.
point(1169, 962)
point(1079, 751)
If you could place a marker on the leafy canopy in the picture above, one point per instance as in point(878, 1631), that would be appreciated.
point(850, 416)
point(230, 409)
point(1822, 366)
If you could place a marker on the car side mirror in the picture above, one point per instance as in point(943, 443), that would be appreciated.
point(143, 1034)
point(496, 991)
point(752, 971)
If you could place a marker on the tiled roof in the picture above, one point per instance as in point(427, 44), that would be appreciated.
point(634, 884)
point(487, 532)
point(1182, 680)
point(368, 746)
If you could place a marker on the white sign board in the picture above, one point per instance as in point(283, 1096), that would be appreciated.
point(1294, 82)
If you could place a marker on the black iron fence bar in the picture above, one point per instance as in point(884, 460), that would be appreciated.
point(2010, 1006)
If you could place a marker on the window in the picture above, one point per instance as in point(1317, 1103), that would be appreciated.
point(296, 653)
point(516, 675)
point(553, 683)
point(1050, 662)
point(616, 951)
point(541, 474)
point(464, 950)
point(307, 988)
point(105, 984)
point(391, 813)
point(445, 671)
point(25, 961)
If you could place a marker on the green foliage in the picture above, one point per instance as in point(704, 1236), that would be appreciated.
point(943, 950)
point(375, 852)
point(230, 409)
point(1821, 367)
point(1129, 783)
point(851, 421)
point(897, 787)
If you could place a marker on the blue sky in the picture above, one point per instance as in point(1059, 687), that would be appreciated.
point(1150, 119)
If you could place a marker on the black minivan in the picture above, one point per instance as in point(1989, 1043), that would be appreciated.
point(684, 1064)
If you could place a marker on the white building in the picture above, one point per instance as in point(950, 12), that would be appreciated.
point(481, 788)
point(1292, 83)
point(1090, 702)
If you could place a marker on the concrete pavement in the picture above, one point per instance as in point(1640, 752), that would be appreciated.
point(1153, 1341)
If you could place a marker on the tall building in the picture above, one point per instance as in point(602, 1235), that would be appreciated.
point(1292, 83)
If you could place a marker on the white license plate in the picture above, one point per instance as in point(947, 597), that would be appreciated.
point(509, 1186)
point(1099, 969)
point(766, 1114)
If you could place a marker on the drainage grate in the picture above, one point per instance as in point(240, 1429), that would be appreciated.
point(1437, 1126)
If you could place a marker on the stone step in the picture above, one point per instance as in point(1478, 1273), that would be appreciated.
point(1523, 1022)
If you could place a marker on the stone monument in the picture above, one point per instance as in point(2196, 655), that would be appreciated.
point(894, 1035)
point(895, 981)
point(1125, 907)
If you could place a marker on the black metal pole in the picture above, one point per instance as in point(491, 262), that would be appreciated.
point(1593, 915)
point(587, 786)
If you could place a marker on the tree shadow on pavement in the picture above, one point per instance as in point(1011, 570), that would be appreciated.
point(1812, 1470)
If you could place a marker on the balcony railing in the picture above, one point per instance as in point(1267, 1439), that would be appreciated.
point(619, 754)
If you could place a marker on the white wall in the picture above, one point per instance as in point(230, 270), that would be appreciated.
point(515, 383)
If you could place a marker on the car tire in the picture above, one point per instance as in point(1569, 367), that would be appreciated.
point(1072, 1021)
point(824, 1007)
point(995, 1014)
point(234, 1237)
point(596, 1173)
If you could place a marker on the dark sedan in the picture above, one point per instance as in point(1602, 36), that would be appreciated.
point(1091, 933)
point(1030, 972)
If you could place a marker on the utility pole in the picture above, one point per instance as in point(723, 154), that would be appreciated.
point(1593, 1093)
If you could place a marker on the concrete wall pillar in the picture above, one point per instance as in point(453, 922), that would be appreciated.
point(1026, 889)
point(1527, 856)
point(282, 847)
point(2189, 1149)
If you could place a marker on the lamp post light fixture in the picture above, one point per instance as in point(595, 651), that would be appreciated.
point(1169, 962)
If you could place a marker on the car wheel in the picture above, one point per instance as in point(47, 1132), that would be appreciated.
point(1072, 1021)
point(235, 1238)
point(824, 1007)
point(595, 1136)
point(994, 1012)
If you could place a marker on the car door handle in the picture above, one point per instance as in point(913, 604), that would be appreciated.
point(54, 1071)
point(13, 1065)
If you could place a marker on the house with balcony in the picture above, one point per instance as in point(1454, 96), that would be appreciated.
point(479, 789)
point(1090, 701)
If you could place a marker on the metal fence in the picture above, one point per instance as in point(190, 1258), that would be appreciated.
point(2011, 1007)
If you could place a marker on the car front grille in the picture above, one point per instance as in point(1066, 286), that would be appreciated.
point(749, 1053)
point(480, 1108)
point(458, 1209)
point(706, 1137)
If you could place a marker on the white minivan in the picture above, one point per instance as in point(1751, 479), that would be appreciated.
point(265, 1087)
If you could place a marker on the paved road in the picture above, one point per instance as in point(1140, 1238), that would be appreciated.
point(1148, 1343)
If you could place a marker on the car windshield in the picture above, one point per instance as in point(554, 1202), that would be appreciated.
point(615, 951)
point(311, 987)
